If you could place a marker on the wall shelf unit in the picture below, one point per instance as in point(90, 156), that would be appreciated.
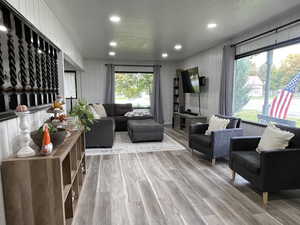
point(45, 190)
point(178, 95)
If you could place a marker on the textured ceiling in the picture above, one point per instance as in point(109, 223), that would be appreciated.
point(149, 28)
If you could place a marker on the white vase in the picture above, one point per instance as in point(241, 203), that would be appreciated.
point(25, 139)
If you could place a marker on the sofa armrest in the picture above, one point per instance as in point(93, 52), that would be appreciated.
point(221, 140)
point(101, 133)
point(246, 143)
point(280, 169)
point(198, 128)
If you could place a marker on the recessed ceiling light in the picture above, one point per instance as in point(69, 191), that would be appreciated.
point(178, 47)
point(115, 19)
point(111, 53)
point(211, 25)
point(113, 44)
point(164, 55)
point(3, 28)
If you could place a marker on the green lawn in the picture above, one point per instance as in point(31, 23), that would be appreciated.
point(251, 115)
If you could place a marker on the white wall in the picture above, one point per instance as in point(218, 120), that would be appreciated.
point(41, 16)
point(37, 12)
point(209, 63)
point(93, 83)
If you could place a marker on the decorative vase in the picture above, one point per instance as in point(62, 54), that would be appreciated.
point(25, 150)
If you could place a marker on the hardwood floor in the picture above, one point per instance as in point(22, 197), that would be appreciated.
point(175, 188)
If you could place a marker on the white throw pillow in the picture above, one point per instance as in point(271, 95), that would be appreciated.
point(274, 138)
point(100, 110)
point(96, 115)
point(216, 123)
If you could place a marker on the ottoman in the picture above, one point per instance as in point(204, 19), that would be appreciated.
point(145, 130)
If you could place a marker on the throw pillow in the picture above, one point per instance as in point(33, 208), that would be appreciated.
point(96, 115)
point(137, 113)
point(274, 138)
point(216, 123)
point(100, 110)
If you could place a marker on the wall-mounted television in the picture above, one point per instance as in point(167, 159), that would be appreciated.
point(190, 82)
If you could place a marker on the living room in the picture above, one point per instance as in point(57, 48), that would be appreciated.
point(161, 112)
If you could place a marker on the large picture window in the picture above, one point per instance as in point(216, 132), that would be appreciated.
point(267, 86)
point(133, 87)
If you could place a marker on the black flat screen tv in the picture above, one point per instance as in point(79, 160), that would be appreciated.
point(190, 82)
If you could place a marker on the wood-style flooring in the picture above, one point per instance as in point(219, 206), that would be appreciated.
point(175, 188)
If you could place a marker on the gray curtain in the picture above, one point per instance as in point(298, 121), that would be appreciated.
point(110, 84)
point(156, 100)
point(227, 81)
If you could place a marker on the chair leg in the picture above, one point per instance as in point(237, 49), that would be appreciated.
point(265, 198)
point(233, 175)
point(213, 161)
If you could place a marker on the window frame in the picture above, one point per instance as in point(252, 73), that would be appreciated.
point(142, 72)
point(75, 76)
point(265, 49)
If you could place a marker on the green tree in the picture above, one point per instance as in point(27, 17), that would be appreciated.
point(287, 70)
point(133, 85)
point(241, 89)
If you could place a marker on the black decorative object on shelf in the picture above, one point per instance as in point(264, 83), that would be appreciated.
point(28, 65)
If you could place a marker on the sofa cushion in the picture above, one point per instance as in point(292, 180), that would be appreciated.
point(109, 108)
point(122, 109)
point(201, 140)
point(248, 159)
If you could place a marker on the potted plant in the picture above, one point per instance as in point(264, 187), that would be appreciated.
point(82, 111)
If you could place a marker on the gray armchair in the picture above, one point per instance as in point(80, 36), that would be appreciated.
point(217, 144)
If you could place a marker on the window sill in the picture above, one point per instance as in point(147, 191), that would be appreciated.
point(254, 123)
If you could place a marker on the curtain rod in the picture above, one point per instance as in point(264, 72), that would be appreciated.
point(266, 32)
point(133, 65)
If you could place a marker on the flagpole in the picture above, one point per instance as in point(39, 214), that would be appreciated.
point(267, 83)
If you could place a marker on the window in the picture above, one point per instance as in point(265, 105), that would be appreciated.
point(267, 87)
point(133, 87)
point(70, 84)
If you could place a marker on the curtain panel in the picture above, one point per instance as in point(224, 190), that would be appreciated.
point(156, 98)
point(110, 84)
point(227, 81)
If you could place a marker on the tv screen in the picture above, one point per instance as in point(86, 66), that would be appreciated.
point(190, 82)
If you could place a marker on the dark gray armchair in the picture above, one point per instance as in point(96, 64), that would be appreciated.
point(217, 144)
point(269, 171)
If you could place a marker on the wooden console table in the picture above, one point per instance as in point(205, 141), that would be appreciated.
point(182, 121)
point(45, 190)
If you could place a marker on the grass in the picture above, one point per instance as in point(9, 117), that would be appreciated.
point(251, 115)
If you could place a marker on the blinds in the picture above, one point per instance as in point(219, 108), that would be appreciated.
point(280, 38)
point(134, 69)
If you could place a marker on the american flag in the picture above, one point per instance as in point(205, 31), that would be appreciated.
point(282, 101)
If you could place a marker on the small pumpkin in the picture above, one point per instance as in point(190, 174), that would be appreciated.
point(22, 108)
